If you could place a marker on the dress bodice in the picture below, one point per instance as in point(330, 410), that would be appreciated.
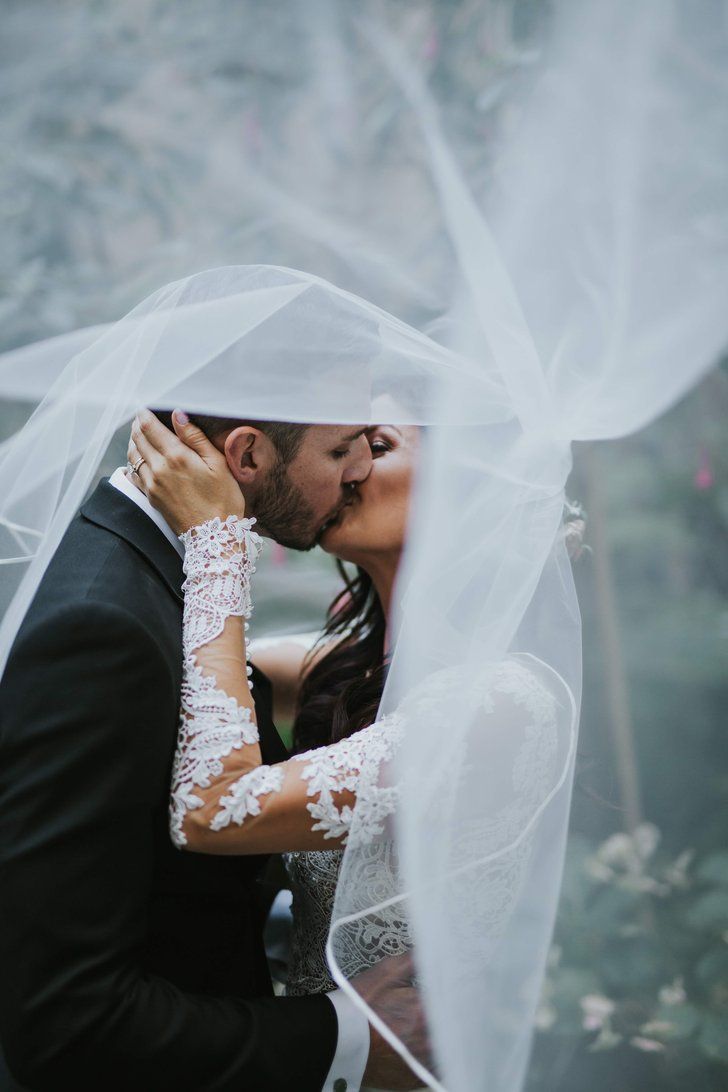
point(313, 879)
point(385, 931)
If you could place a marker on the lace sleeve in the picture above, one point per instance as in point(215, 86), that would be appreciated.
point(219, 559)
point(352, 767)
point(325, 783)
point(217, 776)
point(309, 802)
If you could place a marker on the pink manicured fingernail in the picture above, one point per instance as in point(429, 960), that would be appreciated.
point(182, 417)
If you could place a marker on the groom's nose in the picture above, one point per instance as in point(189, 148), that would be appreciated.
point(359, 462)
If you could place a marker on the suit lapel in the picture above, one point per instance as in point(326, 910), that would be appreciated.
point(107, 507)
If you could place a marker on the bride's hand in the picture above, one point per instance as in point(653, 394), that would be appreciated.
point(184, 476)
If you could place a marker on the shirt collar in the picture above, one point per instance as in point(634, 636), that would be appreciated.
point(121, 482)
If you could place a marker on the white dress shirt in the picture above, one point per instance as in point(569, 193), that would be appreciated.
point(352, 1045)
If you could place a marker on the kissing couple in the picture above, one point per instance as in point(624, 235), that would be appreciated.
point(133, 953)
point(143, 783)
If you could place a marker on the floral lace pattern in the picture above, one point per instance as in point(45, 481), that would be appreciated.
point(219, 559)
point(344, 766)
point(363, 941)
point(313, 877)
point(355, 764)
point(488, 894)
point(372, 915)
point(526, 713)
point(517, 710)
point(244, 796)
point(350, 765)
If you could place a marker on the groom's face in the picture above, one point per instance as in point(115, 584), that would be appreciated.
point(296, 502)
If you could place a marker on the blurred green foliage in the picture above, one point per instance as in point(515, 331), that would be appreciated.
point(636, 996)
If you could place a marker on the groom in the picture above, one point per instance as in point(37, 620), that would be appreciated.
point(124, 963)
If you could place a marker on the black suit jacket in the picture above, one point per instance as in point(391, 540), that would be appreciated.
point(125, 963)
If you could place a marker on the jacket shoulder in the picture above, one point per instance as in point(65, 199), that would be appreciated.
point(95, 566)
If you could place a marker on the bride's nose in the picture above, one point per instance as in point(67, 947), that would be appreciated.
point(360, 463)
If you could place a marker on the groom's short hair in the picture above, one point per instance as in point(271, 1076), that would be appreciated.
point(286, 436)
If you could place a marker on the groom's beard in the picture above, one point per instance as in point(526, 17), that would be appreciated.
point(284, 513)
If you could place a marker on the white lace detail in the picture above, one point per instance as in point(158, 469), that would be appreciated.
point(243, 799)
point(313, 878)
point(488, 893)
point(484, 895)
point(516, 703)
point(348, 766)
point(525, 713)
point(219, 559)
point(314, 875)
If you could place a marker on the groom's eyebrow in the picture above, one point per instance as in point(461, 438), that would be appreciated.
point(354, 436)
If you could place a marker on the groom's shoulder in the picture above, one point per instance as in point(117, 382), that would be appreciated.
point(90, 563)
point(97, 571)
point(96, 598)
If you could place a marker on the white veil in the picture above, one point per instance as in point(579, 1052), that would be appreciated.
point(578, 252)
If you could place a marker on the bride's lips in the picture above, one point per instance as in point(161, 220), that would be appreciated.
point(334, 521)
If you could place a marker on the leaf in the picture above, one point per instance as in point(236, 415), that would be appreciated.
point(712, 968)
point(633, 965)
point(710, 911)
point(714, 1037)
point(681, 1020)
point(605, 1040)
point(610, 908)
point(570, 984)
point(714, 869)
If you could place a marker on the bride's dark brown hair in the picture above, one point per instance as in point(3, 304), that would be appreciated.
point(341, 693)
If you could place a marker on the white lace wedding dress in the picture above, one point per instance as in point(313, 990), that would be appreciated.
point(315, 793)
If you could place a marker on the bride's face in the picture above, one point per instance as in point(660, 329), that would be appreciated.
point(374, 523)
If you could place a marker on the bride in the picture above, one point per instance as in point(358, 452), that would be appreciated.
point(223, 800)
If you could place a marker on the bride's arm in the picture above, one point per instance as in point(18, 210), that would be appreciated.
point(223, 800)
point(303, 804)
point(217, 710)
point(286, 660)
point(282, 660)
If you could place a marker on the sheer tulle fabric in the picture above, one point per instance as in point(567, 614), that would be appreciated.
point(582, 292)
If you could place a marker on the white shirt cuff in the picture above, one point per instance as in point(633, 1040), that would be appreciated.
point(352, 1045)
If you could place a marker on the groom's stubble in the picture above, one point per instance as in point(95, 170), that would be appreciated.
point(283, 512)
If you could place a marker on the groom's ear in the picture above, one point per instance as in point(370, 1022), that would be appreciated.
point(249, 454)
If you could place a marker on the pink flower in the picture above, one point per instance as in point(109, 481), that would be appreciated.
point(431, 48)
point(648, 1045)
point(704, 477)
point(252, 133)
point(674, 994)
point(597, 1009)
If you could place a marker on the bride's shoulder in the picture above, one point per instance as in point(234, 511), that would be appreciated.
point(532, 681)
point(519, 676)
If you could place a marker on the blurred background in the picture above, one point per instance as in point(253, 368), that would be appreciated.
point(144, 141)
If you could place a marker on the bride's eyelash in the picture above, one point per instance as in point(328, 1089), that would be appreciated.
point(379, 447)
